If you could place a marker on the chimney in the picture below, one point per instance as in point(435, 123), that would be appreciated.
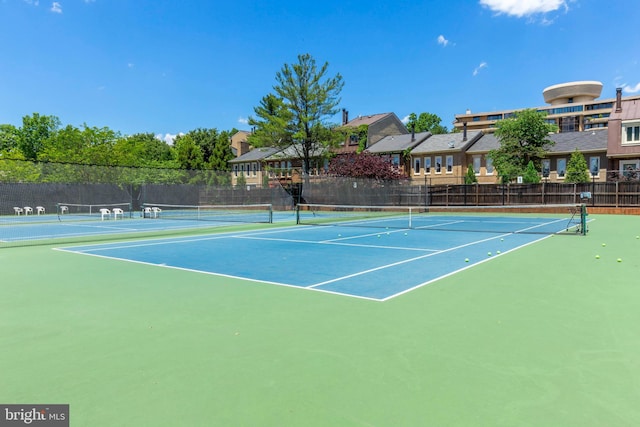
point(345, 116)
point(618, 100)
point(413, 133)
point(464, 131)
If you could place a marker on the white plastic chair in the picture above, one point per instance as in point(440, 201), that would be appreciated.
point(28, 210)
point(40, 210)
point(105, 213)
point(116, 212)
point(18, 211)
point(64, 210)
point(146, 212)
point(156, 211)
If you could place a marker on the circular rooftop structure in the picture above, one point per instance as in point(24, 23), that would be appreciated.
point(566, 93)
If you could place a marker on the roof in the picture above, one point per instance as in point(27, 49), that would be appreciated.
point(567, 142)
point(630, 110)
point(397, 143)
point(291, 153)
point(447, 142)
point(255, 155)
point(367, 120)
point(484, 144)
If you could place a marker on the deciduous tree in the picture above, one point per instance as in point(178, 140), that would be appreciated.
point(363, 165)
point(523, 138)
point(426, 122)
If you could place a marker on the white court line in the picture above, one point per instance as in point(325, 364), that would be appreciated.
point(329, 242)
point(230, 276)
point(382, 267)
point(460, 269)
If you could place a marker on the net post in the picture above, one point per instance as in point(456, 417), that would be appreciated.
point(410, 212)
point(270, 214)
point(583, 219)
point(298, 214)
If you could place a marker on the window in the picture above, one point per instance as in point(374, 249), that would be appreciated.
point(353, 140)
point(546, 168)
point(628, 168)
point(254, 167)
point(395, 160)
point(594, 166)
point(449, 164)
point(632, 133)
point(416, 166)
point(476, 164)
point(427, 165)
point(561, 166)
point(438, 164)
point(489, 165)
point(235, 170)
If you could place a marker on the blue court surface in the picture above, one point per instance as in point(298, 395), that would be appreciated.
point(369, 263)
point(51, 227)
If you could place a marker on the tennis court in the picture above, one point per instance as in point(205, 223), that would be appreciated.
point(86, 222)
point(172, 329)
point(372, 257)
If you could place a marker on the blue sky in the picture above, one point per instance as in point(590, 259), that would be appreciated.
point(168, 67)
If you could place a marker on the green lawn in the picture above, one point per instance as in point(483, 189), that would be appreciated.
point(544, 336)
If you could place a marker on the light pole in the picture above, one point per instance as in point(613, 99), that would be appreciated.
point(594, 172)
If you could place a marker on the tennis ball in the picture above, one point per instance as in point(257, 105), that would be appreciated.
point(502, 240)
point(637, 237)
point(339, 235)
point(405, 234)
point(497, 252)
point(597, 256)
point(619, 259)
point(466, 260)
point(378, 236)
point(488, 253)
point(604, 244)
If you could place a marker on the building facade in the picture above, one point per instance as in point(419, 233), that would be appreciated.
point(572, 107)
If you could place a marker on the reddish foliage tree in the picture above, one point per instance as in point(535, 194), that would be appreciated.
point(364, 165)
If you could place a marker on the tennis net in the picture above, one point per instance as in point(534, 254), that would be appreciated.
point(531, 219)
point(250, 213)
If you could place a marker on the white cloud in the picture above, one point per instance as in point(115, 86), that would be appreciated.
point(130, 65)
point(168, 138)
point(520, 8)
point(631, 89)
point(56, 7)
point(480, 67)
point(405, 119)
point(442, 40)
point(243, 120)
point(32, 2)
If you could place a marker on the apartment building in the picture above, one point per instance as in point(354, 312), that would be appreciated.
point(573, 107)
